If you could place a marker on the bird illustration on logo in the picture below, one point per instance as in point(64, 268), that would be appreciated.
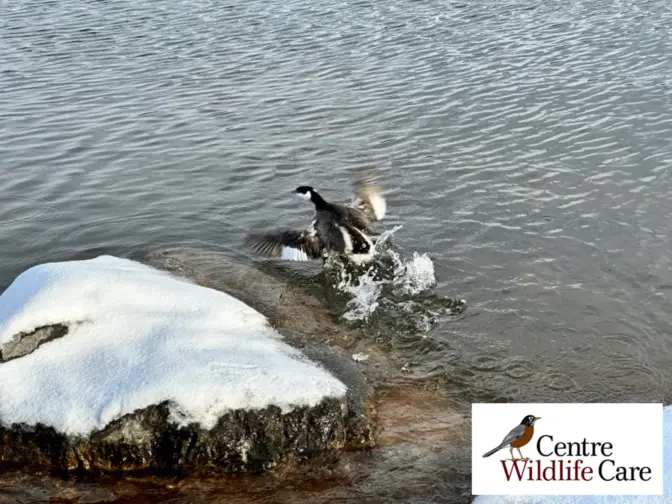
point(519, 436)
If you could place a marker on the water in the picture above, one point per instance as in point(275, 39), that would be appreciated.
point(526, 151)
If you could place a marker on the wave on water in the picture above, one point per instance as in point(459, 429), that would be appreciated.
point(392, 288)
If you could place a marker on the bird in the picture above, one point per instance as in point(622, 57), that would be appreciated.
point(519, 436)
point(343, 229)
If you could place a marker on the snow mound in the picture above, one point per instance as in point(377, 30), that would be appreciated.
point(603, 499)
point(137, 337)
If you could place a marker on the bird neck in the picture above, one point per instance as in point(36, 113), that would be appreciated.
point(318, 200)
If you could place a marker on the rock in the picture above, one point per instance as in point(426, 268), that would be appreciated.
point(110, 365)
point(293, 309)
point(242, 441)
point(25, 343)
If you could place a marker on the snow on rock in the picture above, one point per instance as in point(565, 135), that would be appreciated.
point(138, 337)
point(602, 499)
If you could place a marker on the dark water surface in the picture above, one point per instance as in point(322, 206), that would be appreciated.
point(526, 148)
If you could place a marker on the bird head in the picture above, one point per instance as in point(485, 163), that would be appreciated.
point(305, 192)
point(529, 420)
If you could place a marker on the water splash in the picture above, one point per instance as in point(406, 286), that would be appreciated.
point(392, 288)
point(365, 291)
point(414, 276)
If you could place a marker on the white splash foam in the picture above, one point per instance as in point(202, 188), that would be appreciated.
point(410, 277)
point(385, 236)
point(414, 276)
point(365, 291)
point(145, 337)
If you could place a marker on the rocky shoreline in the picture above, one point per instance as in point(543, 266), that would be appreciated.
point(158, 438)
point(253, 441)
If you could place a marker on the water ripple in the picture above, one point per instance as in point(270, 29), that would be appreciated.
point(525, 148)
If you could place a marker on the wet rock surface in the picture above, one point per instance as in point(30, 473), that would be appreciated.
point(242, 441)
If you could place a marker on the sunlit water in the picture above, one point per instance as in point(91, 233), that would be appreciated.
point(525, 146)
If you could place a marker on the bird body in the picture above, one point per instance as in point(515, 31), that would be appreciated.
point(341, 229)
point(518, 437)
point(525, 438)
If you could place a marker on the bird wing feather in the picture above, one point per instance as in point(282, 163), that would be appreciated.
point(516, 433)
point(288, 244)
point(369, 198)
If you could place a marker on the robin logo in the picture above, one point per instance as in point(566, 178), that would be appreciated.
point(519, 436)
point(577, 449)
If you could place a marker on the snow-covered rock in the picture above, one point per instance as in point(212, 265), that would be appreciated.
point(111, 364)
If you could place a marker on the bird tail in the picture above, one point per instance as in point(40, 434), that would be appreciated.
point(493, 451)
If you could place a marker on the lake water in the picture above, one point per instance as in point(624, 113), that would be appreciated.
point(526, 149)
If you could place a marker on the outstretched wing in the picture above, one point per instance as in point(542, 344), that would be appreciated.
point(369, 198)
point(286, 244)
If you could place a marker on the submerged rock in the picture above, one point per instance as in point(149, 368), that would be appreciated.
point(112, 365)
